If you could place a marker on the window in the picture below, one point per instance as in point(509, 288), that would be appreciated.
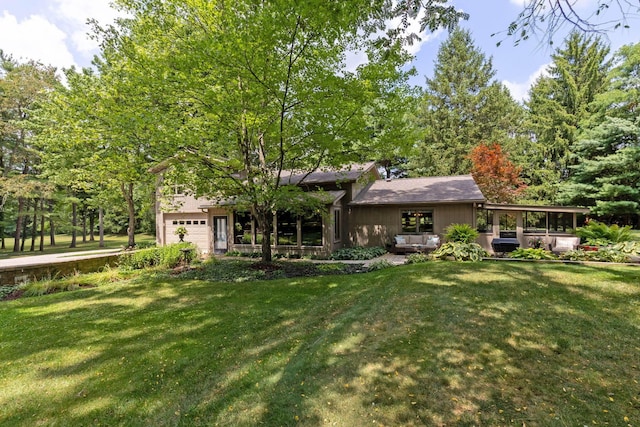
point(337, 226)
point(507, 221)
point(535, 222)
point(203, 222)
point(417, 221)
point(311, 230)
point(242, 227)
point(484, 220)
point(560, 221)
point(174, 222)
point(287, 229)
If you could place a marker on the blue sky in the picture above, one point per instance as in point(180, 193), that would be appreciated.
point(55, 32)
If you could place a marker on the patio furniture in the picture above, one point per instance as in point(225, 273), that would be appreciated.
point(564, 244)
point(403, 243)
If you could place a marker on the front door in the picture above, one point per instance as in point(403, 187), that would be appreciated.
point(220, 244)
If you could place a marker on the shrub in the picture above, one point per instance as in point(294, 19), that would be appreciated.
point(532, 253)
point(599, 234)
point(358, 253)
point(463, 233)
point(460, 251)
point(167, 257)
point(379, 265)
point(417, 258)
point(630, 248)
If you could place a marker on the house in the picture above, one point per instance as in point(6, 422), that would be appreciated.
point(361, 209)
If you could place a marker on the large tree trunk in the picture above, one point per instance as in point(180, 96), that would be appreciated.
point(52, 228)
point(92, 224)
point(127, 192)
point(84, 225)
point(2, 229)
point(265, 221)
point(42, 225)
point(34, 223)
point(19, 221)
point(25, 224)
point(101, 227)
point(74, 222)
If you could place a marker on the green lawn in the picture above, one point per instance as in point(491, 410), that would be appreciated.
point(441, 343)
point(63, 241)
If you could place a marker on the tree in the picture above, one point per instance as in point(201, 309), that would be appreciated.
point(245, 90)
point(606, 173)
point(550, 17)
point(558, 104)
point(97, 138)
point(463, 105)
point(498, 178)
point(23, 87)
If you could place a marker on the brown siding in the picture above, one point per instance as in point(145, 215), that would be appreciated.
point(376, 225)
point(445, 215)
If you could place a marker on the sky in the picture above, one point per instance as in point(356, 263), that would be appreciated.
point(55, 32)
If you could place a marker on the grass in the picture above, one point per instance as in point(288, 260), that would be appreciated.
point(63, 241)
point(429, 344)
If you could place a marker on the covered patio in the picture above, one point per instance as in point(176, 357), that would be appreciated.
point(529, 224)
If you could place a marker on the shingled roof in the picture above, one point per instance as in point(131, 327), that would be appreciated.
point(322, 176)
point(440, 189)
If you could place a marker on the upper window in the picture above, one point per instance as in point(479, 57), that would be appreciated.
point(417, 221)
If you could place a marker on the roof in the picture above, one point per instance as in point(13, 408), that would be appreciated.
point(322, 176)
point(439, 189)
point(327, 197)
point(536, 208)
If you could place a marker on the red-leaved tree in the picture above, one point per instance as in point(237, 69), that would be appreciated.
point(498, 178)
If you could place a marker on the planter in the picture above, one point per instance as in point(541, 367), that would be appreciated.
point(588, 248)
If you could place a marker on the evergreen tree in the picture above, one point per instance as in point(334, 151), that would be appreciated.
point(463, 106)
point(606, 175)
point(557, 104)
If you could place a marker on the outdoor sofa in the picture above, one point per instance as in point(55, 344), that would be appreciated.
point(404, 243)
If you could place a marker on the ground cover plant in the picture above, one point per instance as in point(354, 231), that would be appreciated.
point(358, 253)
point(244, 270)
point(426, 344)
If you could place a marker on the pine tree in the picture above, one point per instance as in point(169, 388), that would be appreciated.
point(557, 104)
point(463, 105)
point(606, 174)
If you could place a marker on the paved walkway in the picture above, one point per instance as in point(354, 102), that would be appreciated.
point(54, 258)
point(74, 256)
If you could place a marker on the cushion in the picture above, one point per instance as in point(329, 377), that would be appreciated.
point(415, 239)
point(400, 240)
point(433, 241)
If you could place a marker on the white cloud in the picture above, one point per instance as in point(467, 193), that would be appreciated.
point(357, 58)
point(76, 13)
point(520, 91)
point(34, 38)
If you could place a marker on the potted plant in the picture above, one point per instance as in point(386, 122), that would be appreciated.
point(181, 232)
